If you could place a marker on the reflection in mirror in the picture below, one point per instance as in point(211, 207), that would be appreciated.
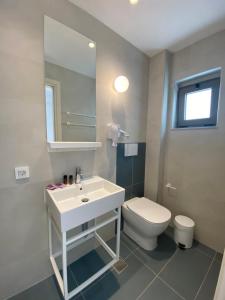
point(70, 84)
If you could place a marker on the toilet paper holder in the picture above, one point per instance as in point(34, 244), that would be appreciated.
point(170, 187)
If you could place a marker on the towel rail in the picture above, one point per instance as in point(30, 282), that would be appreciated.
point(79, 115)
point(78, 124)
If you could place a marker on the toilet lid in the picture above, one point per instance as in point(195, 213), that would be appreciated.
point(149, 210)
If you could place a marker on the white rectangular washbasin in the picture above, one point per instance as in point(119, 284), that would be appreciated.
point(68, 208)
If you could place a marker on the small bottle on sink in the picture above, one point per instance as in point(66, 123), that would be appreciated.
point(71, 179)
point(65, 179)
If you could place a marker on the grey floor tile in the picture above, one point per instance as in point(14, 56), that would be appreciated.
point(157, 258)
point(219, 257)
point(47, 289)
point(124, 250)
point(70, 278)
point(186, 271)
point(103, 255)
point(159, 291)
point(209, 286)
point(208, 251)
point(129, 243)
point(170, 232)
point(127, 285)
point(87, 265)
point(102, 289)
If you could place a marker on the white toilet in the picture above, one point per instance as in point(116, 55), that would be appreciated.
point(144, 220)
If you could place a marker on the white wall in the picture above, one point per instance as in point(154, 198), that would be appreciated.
point(23, 227)
point(156, 124)
point(195, 158)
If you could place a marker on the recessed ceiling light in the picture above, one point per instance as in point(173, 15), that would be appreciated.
point(133, 2)
point(91, 45)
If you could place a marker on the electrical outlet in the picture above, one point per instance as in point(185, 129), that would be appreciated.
point(22, 172)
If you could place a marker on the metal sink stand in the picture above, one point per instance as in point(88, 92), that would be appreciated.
point(69, 243)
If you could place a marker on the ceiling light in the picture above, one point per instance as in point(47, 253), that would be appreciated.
point(121, 84)
point(133, 2)
point(91, 44)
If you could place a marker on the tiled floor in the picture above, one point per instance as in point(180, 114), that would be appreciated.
point(167, 273)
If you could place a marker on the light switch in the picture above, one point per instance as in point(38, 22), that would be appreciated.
point(22, 172)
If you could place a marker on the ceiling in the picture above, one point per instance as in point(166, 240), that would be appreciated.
point(153, 25)
point(69, 49)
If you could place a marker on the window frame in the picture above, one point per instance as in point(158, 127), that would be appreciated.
point(198, 85)
point(57, 107)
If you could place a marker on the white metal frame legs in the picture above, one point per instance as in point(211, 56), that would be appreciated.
point(76, 240)
point(64, 262)
point(52, 257)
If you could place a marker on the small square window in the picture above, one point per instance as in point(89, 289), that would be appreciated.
point(197, 103)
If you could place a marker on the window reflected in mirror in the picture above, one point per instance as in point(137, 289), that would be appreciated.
point(50, 120)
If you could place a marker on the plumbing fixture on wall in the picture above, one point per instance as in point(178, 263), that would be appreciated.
point(114, 133)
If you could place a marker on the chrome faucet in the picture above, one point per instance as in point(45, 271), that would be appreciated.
point(78, 175)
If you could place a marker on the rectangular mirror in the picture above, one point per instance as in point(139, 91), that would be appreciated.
point(70, 84)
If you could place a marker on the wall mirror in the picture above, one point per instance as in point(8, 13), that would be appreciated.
point(70, 84)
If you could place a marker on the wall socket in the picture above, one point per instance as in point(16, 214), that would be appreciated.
point(22, 172)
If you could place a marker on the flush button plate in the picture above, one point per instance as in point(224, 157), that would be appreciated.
point(22, 172)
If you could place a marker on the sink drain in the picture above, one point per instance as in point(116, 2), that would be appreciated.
point(84, 200)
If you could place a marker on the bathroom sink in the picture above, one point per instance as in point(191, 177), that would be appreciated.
point(72, 206)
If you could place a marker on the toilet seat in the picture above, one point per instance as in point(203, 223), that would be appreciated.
point(149, 210)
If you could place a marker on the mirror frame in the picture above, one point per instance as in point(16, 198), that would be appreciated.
point(60, 146)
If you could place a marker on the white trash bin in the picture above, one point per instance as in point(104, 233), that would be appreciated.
point(184, 231)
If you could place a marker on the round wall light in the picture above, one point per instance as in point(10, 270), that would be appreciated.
point(91, 44)
point(133, 2)
point(121, 84)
